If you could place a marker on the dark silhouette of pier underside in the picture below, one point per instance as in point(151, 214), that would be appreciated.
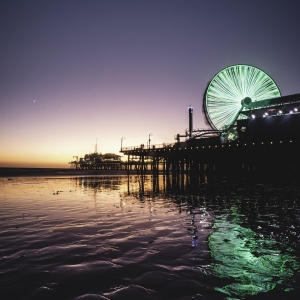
point(267, 146)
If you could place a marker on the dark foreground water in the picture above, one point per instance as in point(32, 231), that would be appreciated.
point(144, 238)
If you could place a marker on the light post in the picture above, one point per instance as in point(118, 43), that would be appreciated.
point(150, 136)
point(122, 139)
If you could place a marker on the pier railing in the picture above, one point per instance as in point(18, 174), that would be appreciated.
point(143, 147)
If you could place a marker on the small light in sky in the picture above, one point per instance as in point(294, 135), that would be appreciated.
point(33, 100)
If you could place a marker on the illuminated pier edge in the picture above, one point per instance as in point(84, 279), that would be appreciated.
point(262, 134)
point(237, 99)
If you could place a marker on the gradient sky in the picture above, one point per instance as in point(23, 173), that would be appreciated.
point(75, 71)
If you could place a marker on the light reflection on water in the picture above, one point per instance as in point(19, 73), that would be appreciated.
point(142, 237)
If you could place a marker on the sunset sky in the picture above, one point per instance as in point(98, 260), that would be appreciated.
point(75, 71)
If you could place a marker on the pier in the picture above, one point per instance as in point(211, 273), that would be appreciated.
point(255, 131)
point(197, 157)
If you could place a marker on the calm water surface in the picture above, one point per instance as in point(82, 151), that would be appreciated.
point(143, 238)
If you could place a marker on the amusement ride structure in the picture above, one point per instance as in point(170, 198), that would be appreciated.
point(253, 128)
point(237, 93)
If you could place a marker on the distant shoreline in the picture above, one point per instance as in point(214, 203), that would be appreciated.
point(44, 172)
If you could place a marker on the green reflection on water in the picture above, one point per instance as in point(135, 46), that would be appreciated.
point(253, 263)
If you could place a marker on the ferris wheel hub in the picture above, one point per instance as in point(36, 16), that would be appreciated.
point(246, 101)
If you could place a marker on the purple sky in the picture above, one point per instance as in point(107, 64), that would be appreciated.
point(74, 71)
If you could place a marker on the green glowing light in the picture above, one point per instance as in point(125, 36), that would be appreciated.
point(230, 86)
point(247, 260)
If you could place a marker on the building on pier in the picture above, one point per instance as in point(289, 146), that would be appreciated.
point(253, 129)
point(97, 161)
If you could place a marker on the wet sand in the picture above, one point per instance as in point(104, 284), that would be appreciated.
point(97, 238)
point(45, 172)
point(145, 237)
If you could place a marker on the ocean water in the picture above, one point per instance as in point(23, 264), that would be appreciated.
point(144, 237)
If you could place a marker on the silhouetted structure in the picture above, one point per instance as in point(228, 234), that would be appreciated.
point(97, 161)
point(267, 144)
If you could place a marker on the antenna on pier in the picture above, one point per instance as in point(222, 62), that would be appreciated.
point(96, 147)
point(191, 109)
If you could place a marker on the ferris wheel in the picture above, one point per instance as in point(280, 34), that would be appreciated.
point(233, 86)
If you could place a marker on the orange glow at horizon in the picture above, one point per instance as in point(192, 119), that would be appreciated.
point(111, 69)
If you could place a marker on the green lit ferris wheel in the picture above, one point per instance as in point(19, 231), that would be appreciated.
point(230, 88)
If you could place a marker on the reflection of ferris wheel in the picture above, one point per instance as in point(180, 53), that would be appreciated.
point(229, 91)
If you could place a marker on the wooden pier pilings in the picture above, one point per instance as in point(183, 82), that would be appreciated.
point(196, 157)
point(266, 146)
